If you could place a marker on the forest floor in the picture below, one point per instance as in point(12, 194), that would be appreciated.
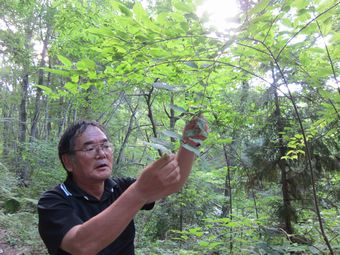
point(6, 249)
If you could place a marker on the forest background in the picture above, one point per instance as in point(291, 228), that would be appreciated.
point(267, 179)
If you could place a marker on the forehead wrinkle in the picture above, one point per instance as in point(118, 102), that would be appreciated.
point(91, 135)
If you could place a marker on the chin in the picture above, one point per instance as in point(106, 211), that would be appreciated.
point(105, 174)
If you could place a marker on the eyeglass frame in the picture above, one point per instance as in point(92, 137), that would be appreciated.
point(96, 148)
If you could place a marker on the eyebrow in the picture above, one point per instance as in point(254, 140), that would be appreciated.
point(92, 142)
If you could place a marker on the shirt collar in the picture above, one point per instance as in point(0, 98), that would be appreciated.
point(70, 188)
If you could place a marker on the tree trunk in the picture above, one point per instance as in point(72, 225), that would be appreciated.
point(127, 134)
point(22, 169)
point(309, 166)
point(149, 101)
point(6, 144)
point(286, 213)
point(227, 208)
point(48, 123)
point(63, 115)
point(34, 129)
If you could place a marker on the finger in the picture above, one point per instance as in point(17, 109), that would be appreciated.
point(165, 159)
point(174, 176)
point(170, 175)
point(169, 168)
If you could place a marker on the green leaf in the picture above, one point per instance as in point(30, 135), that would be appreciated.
point(196, 231)
point(160, 147)
point(125, 10)
point(259, 7)
point(172, 134)
point(290, 152)
point(177, 108)
point(163, 85)
point(299, 136)
point(300, 151)
point(75, 78)
point(326, 27)
point(86, 64)
point(300, 4)
point(72, 87)
point(65, 61)
point(199, 141)
point(86, 85)
point(191, 133)
point(46, 89)
point(166, 144)
point(57, 71)
point(160, 53)
point(92, 75)
point(139, 13)
point(202, 124)
point(191, 64)
point(313, 250)
point(103, 31)
point(192, 149)
point(203, 244)
point(213, 245)
point(227, 140)
point(183, 5)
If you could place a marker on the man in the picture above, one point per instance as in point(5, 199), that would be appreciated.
point(91, 213)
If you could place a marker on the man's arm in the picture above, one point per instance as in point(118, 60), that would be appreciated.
point(196, 129)
point(98, 232)
point(193, 131)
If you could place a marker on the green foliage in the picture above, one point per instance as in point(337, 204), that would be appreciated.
point(18, 215)
point(107, 58)
point(11, 205)
point(296, 147)
point(7, 182)
point(22, 232)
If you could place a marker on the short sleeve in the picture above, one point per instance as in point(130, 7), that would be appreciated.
point(56, 218)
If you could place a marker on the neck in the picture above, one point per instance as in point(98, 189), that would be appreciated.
point(95, 189)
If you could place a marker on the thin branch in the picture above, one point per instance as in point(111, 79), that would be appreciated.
point(308, 154)
point(213, 61)
point(173, 39)
point(303, 28)
point(274, 20)
point(328, 55)
point(252, 47)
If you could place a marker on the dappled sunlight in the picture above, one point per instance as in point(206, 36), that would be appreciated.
point(220, 15)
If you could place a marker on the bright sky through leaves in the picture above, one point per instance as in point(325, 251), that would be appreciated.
point(221, 14)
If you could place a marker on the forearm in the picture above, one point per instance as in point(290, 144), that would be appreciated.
point(185, 160)
point(194, 133)
point(95, 234)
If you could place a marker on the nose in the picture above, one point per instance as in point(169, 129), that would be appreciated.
point(100, 153)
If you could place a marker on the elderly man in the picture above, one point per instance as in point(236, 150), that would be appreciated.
point(92, 213)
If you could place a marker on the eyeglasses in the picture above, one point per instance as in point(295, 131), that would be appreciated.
point(92, 149)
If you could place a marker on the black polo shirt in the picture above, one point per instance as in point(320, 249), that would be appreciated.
point(67, 205)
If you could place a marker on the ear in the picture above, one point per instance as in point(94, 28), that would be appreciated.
point(68, 162)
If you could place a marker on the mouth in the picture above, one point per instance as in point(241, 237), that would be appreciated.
point(102, 165)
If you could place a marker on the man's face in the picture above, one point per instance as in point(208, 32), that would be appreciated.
point(92, 159)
